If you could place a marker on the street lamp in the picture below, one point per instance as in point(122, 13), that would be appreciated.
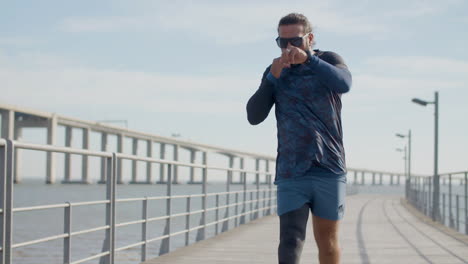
point(435, 200)
point(408, 175)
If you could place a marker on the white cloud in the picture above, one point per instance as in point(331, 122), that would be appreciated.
point(51, 78)
point(19, 41)
point(103, 24)
point(419, 65)
point(227, 23)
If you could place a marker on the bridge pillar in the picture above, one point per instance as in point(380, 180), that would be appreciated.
point(85, 158)
point(8, 123)
point(257, 168)
point(241, 165)
point(103, 159)
point(398, 179)
point(362, 178)
point(134, 162)
point(11, 130)
point(231, 173)
point(68, 143)
point(193, 154)
point(373, 178)
point(267, 169)
point(162, 167)
point(175, 179)
point(381, 180)
point(51, 140)
point(391, 179)
point(149, 165)
point(355, 178)
point(120, 143)
point(18, 135)
point(205, 171)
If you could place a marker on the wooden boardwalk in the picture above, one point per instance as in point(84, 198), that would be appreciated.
point(376, 229)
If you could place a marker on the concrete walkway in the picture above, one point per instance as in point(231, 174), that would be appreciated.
point(376, 229)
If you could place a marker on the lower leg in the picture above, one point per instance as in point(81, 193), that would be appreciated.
point(326, 236)
point(329, 254)
point(292, 235)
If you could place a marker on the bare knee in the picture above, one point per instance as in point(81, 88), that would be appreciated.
point(328, 247)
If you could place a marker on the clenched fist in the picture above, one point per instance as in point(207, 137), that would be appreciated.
point(290, 55)
point(294, 55)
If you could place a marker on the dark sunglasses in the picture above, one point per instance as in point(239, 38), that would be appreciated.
point(296, 42)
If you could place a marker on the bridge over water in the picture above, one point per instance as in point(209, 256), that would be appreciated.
point(217, 220)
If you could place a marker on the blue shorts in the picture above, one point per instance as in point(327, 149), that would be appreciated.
point(325, 195)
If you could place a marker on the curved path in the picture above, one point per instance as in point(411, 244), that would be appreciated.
point(376, 229)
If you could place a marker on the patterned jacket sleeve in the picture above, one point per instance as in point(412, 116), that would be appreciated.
point(261, 102)
point(332, 71)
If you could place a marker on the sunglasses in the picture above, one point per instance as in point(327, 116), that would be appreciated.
point(296, 41)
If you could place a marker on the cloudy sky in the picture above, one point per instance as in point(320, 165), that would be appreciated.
point(189, 67)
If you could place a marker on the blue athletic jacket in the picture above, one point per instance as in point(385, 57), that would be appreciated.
point(307, 100)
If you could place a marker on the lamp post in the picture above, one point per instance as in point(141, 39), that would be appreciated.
point(405, 158)
point(409, 152)
point(436, 181)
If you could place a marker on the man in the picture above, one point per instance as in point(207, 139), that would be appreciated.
point(305, 85)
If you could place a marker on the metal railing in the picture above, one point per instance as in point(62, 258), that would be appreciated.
point(453, 198)
point(258, 207)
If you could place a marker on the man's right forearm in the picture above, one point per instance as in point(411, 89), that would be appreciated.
point(259, 105)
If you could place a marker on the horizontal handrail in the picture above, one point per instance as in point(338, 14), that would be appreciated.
point(63, 205)
point(70, 150)
point(75, 204)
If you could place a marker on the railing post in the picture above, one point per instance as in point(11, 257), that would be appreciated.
point(236, 223)
point(205, 199)
point(109, 242)
point(443, 208)
point(424, 196)
point(430, 197)
point(431, 209)
point(187, 221)
point(7, 161)
point(466, 203)
point(355, 178)
point(67, 223)
point(217, 214)
point(202, 231)
point(373, 178)
point(257, 213)
point(252, 214)
point(268, 210)
point(225, 225)
point(166, 243)
point(144, 227)
point(380, 179)
point(264, 204)
point(244, 207)
point(457, 202)
point(451, 220)
point(362, 178)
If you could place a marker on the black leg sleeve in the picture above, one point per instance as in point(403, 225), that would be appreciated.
point(292, 235)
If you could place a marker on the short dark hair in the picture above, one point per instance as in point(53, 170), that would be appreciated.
point(296, 18)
